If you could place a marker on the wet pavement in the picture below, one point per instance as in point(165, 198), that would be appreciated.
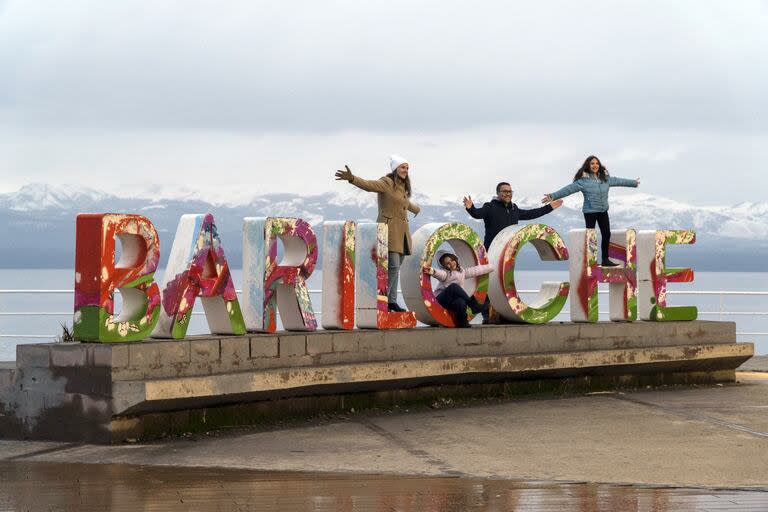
point(88, 487)
point(755, 363)
point(698, 448)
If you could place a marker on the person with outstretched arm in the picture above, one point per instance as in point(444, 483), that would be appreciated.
point(500, 213)
point(593, 181)
point(394, 202)
point(450, 292)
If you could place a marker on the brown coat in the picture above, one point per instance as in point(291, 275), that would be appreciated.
point(393, 203)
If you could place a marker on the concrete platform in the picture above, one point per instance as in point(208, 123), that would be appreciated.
point(106, 393)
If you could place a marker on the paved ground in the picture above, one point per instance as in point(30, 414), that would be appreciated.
point(707, 436)
point(756, 363)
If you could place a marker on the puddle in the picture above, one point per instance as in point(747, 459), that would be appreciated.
point(89, 487)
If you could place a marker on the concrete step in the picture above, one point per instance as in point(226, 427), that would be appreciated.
point(132, 397)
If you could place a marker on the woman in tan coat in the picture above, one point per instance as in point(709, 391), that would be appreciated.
point(394, 198)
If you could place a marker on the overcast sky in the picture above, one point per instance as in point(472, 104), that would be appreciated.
point(226, 97)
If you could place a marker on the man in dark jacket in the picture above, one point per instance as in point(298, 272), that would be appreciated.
point(500, 213)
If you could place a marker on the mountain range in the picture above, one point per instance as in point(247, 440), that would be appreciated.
point(38, 221)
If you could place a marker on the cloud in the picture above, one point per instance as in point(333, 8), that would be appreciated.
point(332, 66)
point(703, 168)
point(227, 97)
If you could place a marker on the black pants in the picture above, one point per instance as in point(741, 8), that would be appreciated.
point(602, 220)
point(455, 300)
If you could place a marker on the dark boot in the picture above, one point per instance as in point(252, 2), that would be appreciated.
point(476, 307)
point(394, 307)
point(461, 319)
point(608, 263)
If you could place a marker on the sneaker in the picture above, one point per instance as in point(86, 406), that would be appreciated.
point(609, 263)
point(394, 307)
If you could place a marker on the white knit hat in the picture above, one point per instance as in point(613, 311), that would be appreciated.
point(396, 161)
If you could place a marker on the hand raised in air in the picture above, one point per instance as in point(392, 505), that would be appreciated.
point(344, 175)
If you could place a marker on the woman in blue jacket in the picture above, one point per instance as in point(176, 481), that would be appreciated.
point(593, 181)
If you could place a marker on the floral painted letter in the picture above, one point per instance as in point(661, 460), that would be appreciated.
point(339, 275)
point(197, 267)
point(654, 275)
point(97, 276)
point(417, 286)
point(585, 275)
point(270, 286)
point(503, 292)
point(371, 297)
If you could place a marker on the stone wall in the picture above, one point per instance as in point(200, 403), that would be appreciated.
point(222, 354)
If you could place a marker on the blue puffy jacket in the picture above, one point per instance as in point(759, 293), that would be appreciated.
point(595, 191)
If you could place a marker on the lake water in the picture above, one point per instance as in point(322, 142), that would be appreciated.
point(14, 327)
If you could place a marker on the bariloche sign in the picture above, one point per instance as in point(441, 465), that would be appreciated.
point(354, 276)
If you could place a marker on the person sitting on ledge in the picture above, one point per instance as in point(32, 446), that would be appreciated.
point(450, 292)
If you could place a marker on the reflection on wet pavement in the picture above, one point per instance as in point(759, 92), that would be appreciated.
point(88, 487)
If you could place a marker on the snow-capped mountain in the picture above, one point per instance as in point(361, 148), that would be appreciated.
point(40, 196)
point(38, 220)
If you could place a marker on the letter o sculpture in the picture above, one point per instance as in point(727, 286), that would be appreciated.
point(417, 286)
point(503, 292)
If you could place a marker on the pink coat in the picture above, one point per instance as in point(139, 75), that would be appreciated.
point(458, 276)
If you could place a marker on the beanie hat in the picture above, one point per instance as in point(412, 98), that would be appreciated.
point(396, 161)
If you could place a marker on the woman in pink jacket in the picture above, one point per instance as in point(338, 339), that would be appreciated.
point(450, 292)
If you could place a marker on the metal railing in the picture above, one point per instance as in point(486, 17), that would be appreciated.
point(720, 313)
